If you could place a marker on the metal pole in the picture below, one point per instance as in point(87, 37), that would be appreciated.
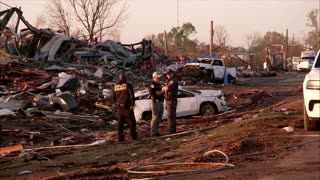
point(211, 38)
point(165, 44)
point(177, 13)
point(285, 51)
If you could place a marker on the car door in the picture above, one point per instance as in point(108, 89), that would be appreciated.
point(187, 104)
point(142, 104)
point(218, 68)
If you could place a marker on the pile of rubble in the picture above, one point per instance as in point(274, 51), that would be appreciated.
point(44, 70)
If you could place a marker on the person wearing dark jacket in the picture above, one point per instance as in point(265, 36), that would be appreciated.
point(170, 94)
point(123, 97)
point(155, 90)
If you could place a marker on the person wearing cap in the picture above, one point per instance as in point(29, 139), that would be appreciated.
point(123, 97)
point(157, 96)
point(170, 94)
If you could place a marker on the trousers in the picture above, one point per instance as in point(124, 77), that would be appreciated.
point(157, 112)
point(126, 115)
point(171, 107)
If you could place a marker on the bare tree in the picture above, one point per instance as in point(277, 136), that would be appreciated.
point(221, 35)
point(157, 40)
point(314, 35)
point(77, 33)
point(40, 22)
point(113, 33)
point(59, 16)
point(253, 39)
point(97, 18)
point(312, 20)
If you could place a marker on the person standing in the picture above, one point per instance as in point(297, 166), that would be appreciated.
point(157, 97)
point(170, 94)
point(123, 97)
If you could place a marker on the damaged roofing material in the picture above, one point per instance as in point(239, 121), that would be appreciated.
point(43, 45)
point(25, 45)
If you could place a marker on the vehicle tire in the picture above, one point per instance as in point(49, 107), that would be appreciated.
point(203, 70)
point(188, 82)
point(208, 109)
point(212, 78)
point(309, 125)
point(147, 116)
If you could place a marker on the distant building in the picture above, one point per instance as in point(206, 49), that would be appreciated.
point(240, 53)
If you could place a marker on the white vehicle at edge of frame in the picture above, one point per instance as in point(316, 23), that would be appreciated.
point(190, 102)
point(311, 96)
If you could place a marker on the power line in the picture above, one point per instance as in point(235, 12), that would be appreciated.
point(5, 4)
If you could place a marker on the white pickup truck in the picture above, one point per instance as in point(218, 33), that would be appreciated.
point(210, 69)
point(307, 59)
point(311, 96)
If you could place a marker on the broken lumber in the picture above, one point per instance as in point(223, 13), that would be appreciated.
point(9, 149)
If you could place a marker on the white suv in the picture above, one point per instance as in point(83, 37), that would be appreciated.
point(311, 95)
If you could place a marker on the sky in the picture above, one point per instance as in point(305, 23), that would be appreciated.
point(239, 17)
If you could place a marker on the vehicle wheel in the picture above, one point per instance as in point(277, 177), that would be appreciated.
point(211, 76)
point(188, 81)
point(308, 125)
point(147, 116)
point(208, 109)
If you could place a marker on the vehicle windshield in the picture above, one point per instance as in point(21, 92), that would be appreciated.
point(204, 60)
point(295, 59)
point(194, 91)
point(307, 58)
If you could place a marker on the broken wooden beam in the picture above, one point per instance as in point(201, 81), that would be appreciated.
point(9, 149)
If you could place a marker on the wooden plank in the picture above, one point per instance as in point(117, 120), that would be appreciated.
point(9, 149)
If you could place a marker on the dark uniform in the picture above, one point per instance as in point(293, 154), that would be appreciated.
point(157, 107)
point(171, 103)
point(123, 96)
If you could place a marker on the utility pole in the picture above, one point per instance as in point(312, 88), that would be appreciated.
point(285, 53)
point(165, 43)
point(293, 39)
point(211, 38)
point(177, 13)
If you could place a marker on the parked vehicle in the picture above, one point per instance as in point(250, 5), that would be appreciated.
point(304, 65)
point(311, 95)
point(208, 69)
point(307, 59)
point(190, 102)
point(293, 63)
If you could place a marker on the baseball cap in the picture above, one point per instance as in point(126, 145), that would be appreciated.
point(156, 74)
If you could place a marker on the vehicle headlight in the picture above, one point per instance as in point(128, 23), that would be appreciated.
point(313, 84)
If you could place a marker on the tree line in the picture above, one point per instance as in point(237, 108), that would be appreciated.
point(102, 19)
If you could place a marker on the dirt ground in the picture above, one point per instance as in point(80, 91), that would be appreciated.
point(262, 137)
